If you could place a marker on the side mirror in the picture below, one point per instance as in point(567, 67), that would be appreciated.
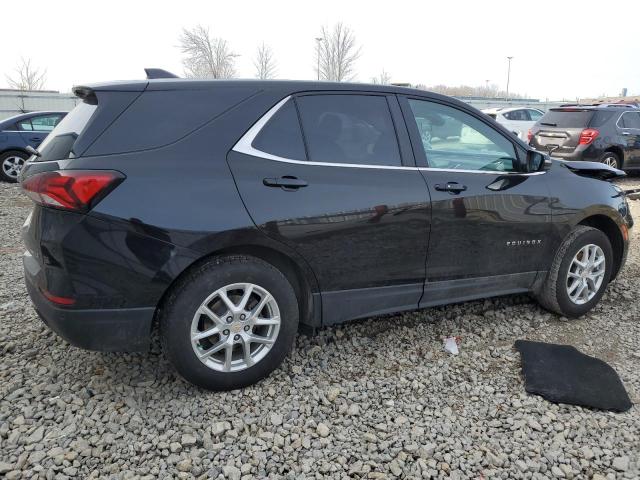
point(537, 161)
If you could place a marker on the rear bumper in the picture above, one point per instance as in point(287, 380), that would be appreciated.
point(109, 330)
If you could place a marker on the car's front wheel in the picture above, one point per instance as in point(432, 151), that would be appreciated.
point(229, 323)
point(579, 274)
point(12, 162)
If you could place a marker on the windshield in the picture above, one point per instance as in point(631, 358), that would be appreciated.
point(566, 118)
point(59, 144)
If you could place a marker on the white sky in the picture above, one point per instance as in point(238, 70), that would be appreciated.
point(561, 49)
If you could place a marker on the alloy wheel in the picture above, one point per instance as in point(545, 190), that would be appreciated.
point(586, 274)
point(235, 327)
point(12, 165)
point(611, 161)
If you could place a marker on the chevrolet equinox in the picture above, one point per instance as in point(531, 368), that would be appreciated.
point(228, 213)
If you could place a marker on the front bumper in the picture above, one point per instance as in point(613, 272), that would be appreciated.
point(109, 330)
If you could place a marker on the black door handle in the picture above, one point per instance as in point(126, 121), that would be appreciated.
point(451, 187)
point(286, 182)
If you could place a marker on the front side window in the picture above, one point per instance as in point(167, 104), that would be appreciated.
point(355, 129)
point(45, 123)
point(453, 139)
point(281, 136)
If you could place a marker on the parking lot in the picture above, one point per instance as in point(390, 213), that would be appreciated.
point(373, 399)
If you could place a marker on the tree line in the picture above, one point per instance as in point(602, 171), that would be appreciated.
point(207, 56)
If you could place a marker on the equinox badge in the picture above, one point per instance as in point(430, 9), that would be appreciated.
point(523, 243)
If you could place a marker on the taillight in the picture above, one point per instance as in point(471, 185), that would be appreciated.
point(529, 136)
point(76, 190)
point(587, 136)
point(57, 299)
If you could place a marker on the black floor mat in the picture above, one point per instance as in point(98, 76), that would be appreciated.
point(563, 374)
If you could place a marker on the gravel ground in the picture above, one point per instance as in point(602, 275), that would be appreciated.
point(373, 399)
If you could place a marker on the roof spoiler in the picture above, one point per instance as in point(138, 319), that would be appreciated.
point(86, 94)
point(153, 73)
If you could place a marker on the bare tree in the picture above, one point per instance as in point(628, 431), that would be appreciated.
point(265, 63)
point(383, 79)
point(27, 76)
point(337, 53)
point(205, 56)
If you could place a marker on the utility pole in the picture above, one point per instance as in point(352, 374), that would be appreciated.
point(318, 40)
point(508, 76)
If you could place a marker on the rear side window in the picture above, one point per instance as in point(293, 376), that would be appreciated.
point(569, 118)
point(355, 129)
point(535, 115)
point(59, 143)
point(517, 115)
point(282, 136)
point(630, 120)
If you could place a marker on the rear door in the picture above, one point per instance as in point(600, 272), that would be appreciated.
point(345, 193)
point(488, 220)
point(629, 126)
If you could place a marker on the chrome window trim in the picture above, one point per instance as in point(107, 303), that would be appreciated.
point(245, 145)
point(626, 128)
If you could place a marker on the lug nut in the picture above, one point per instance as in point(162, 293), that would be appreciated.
point(226, 332)
point(229, 319)
point(247, 328)
point(243, 316)
point(237, 337)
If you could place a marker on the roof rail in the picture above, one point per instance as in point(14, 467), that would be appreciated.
point(158, 73)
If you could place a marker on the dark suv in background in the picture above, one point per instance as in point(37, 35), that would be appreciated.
point(228, 212)
point(599, 133)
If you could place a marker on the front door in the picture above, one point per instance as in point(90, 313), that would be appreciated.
point(629, 127)
point(346, 196)
point(488, 220)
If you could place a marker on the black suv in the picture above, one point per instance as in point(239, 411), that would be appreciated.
point(600, 133)
point(229, 212)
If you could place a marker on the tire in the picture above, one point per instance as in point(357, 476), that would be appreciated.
point(553, 294)
point(612, 159)
point(181, 319)
point(10, 165)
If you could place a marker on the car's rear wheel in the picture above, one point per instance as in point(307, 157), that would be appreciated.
point(12, 162)
point(229, 323)
point(611, 159)
point(579, 274)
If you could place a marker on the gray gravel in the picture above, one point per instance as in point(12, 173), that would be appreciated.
point(372, 399)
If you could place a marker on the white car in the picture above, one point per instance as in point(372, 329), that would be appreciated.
point(517, 119)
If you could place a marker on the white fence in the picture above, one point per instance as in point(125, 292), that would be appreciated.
point(13, 102)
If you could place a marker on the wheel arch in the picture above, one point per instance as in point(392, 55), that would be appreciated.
point(304, 287)
point(610, 228)
point(618, 151)
point(14, 149)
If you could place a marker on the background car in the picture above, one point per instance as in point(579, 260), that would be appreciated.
point(599, 133)
point(297, 203)
point(515, 119)
point(16, 133)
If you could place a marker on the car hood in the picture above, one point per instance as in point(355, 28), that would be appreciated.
point(591, 169)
